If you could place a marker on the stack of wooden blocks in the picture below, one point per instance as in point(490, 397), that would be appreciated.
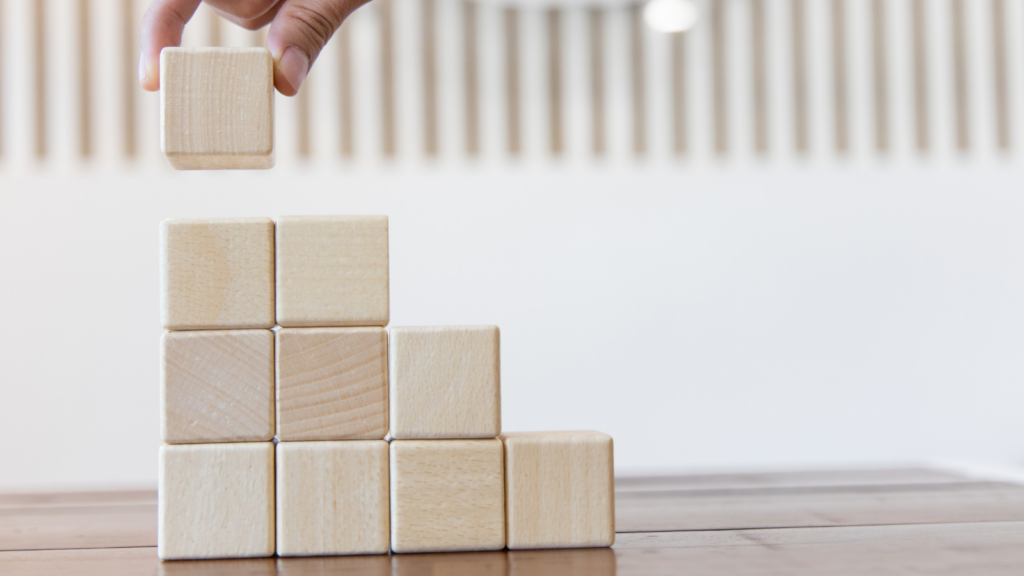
point(319, 437)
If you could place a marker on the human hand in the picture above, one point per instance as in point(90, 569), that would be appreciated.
point(299, 29)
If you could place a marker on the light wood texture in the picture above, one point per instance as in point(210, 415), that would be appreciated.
point(332, 271)
point(771, 480)
point(447, 496)
point(568, 562)
point(559, 489)
point(78, 526)
point(800, 507)
point(989, 548)
point(216, 501)
point(217, 108)
point(370, 565)
point(982, 549)
point(217, 386)
point(332, 498)
point(332, 383)
point(445, 382)
point(217, 273)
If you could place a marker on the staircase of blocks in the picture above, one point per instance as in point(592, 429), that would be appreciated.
point(294, 423)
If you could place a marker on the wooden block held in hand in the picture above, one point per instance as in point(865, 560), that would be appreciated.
point(447, 495)
point(217, 386)
point(217, 108)
point(332, 383)
point(217, 273)
point(445, 382)
point(216, 501)
point(559, 489)
point(332, 498)
point(332, 271)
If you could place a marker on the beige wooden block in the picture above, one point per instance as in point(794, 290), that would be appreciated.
point(332, 271)
point(332, 383)
point(216, 501)
point(559, 489)
point(332, 498)
point(217, 386)
point(217, 273)
point(447, 495)
point(217, 108)
point(445, 382)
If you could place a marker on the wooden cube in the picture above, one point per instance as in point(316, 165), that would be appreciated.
point(560, 489)
point(447, 495)
point(217, 386)
point(445, 382)
point(332, 271)
point(332, 498)
point(332, 383)
point(216, 501)
point(217, 108)
point(217, 273)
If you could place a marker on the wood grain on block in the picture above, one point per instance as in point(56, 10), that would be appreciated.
point(445, 382)
point(217, 108)
point(559, 489)
point(332, 271)
point(332, 498)
point(216, 501)
point(332, 383)
point(217, 273)
point(447, 495)
point(217, 386)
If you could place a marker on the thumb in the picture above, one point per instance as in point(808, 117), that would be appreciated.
point(298, 33)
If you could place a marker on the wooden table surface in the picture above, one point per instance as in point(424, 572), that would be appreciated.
point(866, 522)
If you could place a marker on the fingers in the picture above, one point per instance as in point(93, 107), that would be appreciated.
point(162, 26)
point(298, 33)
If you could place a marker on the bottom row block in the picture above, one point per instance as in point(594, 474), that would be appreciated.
point(527, 490)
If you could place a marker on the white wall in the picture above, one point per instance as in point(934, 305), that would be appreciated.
point(742, 317)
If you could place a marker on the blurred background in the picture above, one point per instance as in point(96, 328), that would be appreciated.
point(733, 234)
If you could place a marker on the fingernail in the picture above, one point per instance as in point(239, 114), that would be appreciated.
point(294, 65)
point(143, 70)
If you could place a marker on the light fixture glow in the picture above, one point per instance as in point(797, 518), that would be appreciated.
point(670, 15)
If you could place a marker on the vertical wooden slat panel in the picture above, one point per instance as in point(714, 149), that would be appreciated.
point(719, 97)
point(919, 44)
point(84, 80)
point(512, 89)
point(471, 74)
point(1001, 85)
point(343, 41)
point(759, 71)
point(960, 104)
point(302, 120)
point(680, 126)
point(39, 68)
point(801, 111)
point(428, 50)
point(840, 97)
point(129, 74)
point(555, 116)
point(880, 70)
point(597, 93)
point(387, 78)
point(636, 52)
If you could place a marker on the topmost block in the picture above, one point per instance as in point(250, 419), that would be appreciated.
point(217, 108)
point(332, 271)
point(217, 273)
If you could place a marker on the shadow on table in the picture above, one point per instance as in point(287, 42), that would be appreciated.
point(579, 562)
